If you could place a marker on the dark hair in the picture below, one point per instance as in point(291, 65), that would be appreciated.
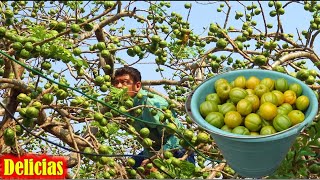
point(133, 72)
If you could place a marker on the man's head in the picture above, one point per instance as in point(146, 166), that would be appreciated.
point(128, 77)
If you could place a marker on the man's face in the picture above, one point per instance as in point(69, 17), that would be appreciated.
point(125, 81)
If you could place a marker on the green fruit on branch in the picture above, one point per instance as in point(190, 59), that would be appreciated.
point(9, 137)
point(37, 104)
point(99, 80)
point(260, 60)
point(144, 132)
point(23, 98)
point(303, 74)
point(47, 99)
point(61, 94)
point(101, 46)
point(32, 112)
point(17, 46)
point(202, 137)
point(28, 46)
point(172, 128)
point(46, 65)
point(221, 43)
point(167, 154)
point(105, 53)
point(19, 130)
point(188, 134)
point(75, 28)
point(28, 122)
point(147, 142)
point(187, 5)
point(104, 160)
point(76, 51)
point(131, 162)
point(155, 38)
point(97, 116)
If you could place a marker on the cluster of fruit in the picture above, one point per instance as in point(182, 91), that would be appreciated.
point(253, 106)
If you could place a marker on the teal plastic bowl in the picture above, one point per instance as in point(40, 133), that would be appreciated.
point(251, 156)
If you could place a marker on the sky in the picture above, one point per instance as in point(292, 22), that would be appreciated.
point(204, 12)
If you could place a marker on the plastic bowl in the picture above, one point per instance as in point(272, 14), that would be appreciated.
point(251, 156)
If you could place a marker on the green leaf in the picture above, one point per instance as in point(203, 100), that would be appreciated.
point(290, 155)
point(158, 162)
point(187, 169)
point(38, 31)
point(307, 153)
point(312, 132)
point(303, 172)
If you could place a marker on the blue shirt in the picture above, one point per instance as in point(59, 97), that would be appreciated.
point(170, 141)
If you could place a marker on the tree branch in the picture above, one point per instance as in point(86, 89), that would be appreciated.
point(104, 23)
point(294, 55)
point(162, 95)
point(104, 61)
point(227, 15)
point(215, 170)
point(61, 133)
point(2, 111)
point(68, 30)
point(313, 38)
point(18, 84)
point(236, 47)
point(162, 82)
point(264, 19)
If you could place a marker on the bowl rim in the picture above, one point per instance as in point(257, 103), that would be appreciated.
point(190, 105)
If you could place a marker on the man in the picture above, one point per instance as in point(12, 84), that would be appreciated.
point(130, 78)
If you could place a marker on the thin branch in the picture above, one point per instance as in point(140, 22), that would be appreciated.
point(15, 70)
point(264, 19)
point(105, 22)
point(295, 55)
point(68, 30)
point(218, 168)
point(70, 128)
point(227, 15)
point(93, 138)
point(291, 2)
point(236, 47)
point(189, 13)
point(2, 111)
point(313, 38)
point(161, 82)
point(299, 37)
point(279, 27)
point(314, 86)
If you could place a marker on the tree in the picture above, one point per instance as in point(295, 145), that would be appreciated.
point(78, 44)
